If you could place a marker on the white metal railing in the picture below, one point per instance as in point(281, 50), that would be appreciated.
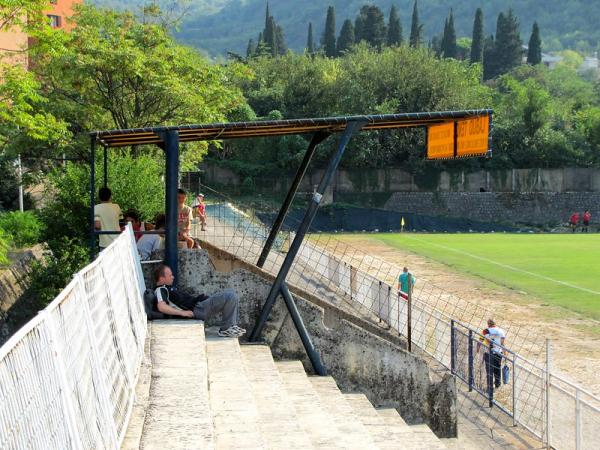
point(67, 378)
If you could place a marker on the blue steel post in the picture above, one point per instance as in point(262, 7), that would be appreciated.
point(317, 138)
point(452, 348)
point(311, 351)
point(351, 128)
point(171, 140)
point(105, 167)
point(471, 371)
point(92, 197)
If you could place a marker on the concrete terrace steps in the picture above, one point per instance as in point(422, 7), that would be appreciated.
point(208, 392)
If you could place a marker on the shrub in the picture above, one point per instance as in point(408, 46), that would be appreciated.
point(4, 244)
point(23, 228)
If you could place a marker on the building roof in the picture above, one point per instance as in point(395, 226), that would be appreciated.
point(265, 128)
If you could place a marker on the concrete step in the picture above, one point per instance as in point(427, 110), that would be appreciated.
point(353, 431)
point(279, 424)
point(313, 416)
point(388, 429)
point(176, 416)
point(234, 413)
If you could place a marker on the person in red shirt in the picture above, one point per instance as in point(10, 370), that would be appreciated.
point(573, 221)
point(200, 210)
point(586, 221)
point(131, 215)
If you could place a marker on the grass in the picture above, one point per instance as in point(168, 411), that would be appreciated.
point(560, 269)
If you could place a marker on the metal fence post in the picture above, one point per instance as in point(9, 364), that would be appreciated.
point(471, 371)
point(514, 389)
point(452, 349)
point(578, 434)
point(409, 311)
point(548, 384)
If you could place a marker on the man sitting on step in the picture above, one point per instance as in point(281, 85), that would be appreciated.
point(174, 303)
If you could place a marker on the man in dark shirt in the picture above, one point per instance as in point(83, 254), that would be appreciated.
point(170, 301)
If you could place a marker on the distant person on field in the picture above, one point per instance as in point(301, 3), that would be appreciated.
point(170, 301)
point(403, 283)
point(494, 338)
point(149, 243)
point(184, 219)
point(106, 217)
point(199, 208)
point(586, 221)
point(573, 221)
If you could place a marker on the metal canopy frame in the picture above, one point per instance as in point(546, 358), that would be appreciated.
point(169, 138)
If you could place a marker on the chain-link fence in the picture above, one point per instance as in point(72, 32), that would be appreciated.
point(443, 326)
point(67, 378)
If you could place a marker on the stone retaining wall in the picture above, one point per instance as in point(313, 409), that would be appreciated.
point(534, 208)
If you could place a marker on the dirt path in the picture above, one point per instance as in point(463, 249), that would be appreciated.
point(575, 339)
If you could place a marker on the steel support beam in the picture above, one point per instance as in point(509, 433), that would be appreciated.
point(276, 288)
point(311, 351)
point(92, 197)
point(317, 138)
point(171, 147)
point(105, 167)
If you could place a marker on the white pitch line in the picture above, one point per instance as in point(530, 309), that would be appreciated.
point(506, 266)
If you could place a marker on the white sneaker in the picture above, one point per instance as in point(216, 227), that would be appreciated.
point(230, 332)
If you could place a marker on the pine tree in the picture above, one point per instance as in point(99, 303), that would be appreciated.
point(310, 42)
point(267, 15)
point(508, 49)
point(534, 52)
point(442, 41)
point(346, 39)
point(250, 49)
point(394, 36)
point(449, 48)
point(280, 41)
point(489, 60)
point(478, 37)
point(374, 30)
point(270, 36)
point(328, 40)
point(358, 29)
point(416, 28)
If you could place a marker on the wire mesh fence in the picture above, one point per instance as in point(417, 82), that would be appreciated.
point(67, 378)
point(443, 326)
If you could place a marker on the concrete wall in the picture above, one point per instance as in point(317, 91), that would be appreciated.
point(14, 280)
point(358, 354)
point(532, 208)
point(397, 180)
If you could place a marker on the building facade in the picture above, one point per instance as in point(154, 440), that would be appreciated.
point(14, 42)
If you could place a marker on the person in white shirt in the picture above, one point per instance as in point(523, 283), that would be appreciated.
point(149, 243)
point(495, 338)
point(106, 217)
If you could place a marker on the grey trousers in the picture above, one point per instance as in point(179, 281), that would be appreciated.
point(224, 303)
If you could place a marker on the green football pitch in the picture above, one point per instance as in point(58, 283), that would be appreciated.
point(560, 269)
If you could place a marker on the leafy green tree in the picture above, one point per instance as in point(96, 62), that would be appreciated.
point(534, 52)
point(25, 228)
point(394, 36)
point(310, 42)
point(328, 40)
point(346, 39)
point(416, 28)
point(478, 41)
point(115, 72)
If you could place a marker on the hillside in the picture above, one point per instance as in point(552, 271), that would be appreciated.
point(222, 25)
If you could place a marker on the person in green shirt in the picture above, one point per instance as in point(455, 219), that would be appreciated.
point(403, 282)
